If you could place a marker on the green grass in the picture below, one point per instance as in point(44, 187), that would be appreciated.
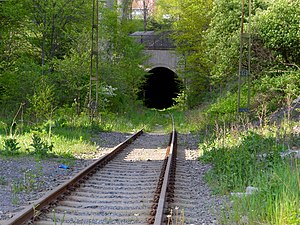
point(149, 120)
point(251, 157)
point(242, 155)
point(248, 154)
point(70, 136)
point(277, 201)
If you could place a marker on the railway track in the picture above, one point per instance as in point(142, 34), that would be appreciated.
point(130, 185)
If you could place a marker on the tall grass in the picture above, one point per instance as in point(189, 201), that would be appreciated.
point(252, 157)
point(71, 134)
point(277, 202)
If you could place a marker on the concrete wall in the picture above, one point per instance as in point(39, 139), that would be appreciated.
point(162, 58)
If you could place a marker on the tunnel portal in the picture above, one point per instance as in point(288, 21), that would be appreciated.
point(160, 87)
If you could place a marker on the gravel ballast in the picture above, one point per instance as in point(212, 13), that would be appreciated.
point(42, 176)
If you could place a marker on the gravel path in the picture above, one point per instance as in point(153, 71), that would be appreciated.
point(47, 175)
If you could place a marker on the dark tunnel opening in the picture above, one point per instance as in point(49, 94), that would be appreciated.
point(160, 87)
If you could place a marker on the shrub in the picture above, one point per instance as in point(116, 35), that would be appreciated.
point(41, 148)
point(10, 147)
point(42, 103)
point(237, 161)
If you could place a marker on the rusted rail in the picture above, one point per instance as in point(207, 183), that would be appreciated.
point(61, 197)
point(50, 199)
point(166, 182)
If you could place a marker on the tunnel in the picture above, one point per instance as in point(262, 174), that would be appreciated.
point(160, 87)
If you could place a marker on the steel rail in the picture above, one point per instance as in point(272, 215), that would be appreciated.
point(44, 203)
point(169, 174)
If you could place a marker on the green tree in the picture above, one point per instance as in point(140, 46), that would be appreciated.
point(120, 61)
point(53, 25)
point(278, 27)
point(33, 34)
point(71, 76)
point(222, 40)
point(190, 23)
point(167, 10)
point(12, 47)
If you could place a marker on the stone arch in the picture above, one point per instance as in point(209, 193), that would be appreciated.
point(162, 58)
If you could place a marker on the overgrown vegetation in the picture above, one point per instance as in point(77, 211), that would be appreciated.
point(31, 180)
point(70, 136)
point(244, 149)
point(255, 157)
point(45, 58)
point(44, 81)
point(41, 148)
point(207, 35)
point(10, 147)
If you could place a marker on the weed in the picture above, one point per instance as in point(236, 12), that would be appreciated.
point(252, 158)
point(10, 147)
point(176, 218)
point(15, 190)
point(56, 220)
point(41, 148)
point(2, 181)
point(15, 199)
point(30, 182)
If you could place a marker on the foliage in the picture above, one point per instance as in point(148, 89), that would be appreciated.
point(253, 157)
point(180, 101)
point(270, 91)
point(10, 147)
point(54, 25)
point(42, 102)
point(223, 41)
point(17, 83)
point(207, 36)
point(120, 65)
point(41, 148)
point(167, 11)
point(280, 89)
point(278, 27)
point(71, 76)
point(238, 159)
point(158, 25)
point(35, 32)
point(190, 41)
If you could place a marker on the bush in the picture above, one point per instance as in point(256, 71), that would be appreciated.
point(278, 25)
point(10, 147)
point(41, 148)
point(42, 103)
point(238, 161)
